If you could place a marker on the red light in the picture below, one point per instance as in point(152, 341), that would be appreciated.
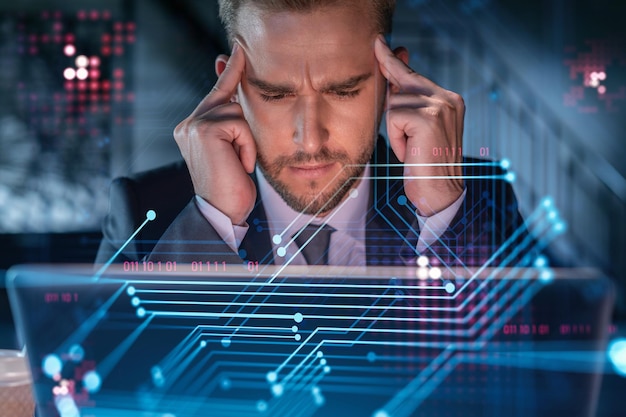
point(106, 109)
point(130, 39)
point(117, 26)
point(94, 97)
point(81, 99)
point(118, 39)
point(106, 98)
point(94, 61)
point(106, 85)
point(106, 38)
point(106, 15)
point(106, 50)
point(94, 73)
point(94, 15)
point(57, 38)
point(82, 85)
point(69, 38)
point(94, 85)
point(33, 50)
point(118, 50)
point(130, 26)
point(57, 26)
point(130, 97)
point(82, 15)
point(118, 73)
point(117, 97)
point(119, 85)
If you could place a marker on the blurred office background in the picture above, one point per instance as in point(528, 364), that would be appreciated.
point(92, 89)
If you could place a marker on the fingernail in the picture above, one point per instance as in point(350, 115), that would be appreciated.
point(235, 47)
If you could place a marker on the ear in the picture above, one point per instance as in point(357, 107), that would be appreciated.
point(402, 54)
point(220, 66)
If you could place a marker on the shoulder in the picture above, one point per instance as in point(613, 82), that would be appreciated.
point(166, 190)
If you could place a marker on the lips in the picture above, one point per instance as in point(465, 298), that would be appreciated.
point(312, 170)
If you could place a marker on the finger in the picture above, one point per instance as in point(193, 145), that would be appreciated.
point(226, 84)
point(398, 73)
point(441, 96)
point(409, 100)
point(246, 148)
point(229, 120)
point(426, 126)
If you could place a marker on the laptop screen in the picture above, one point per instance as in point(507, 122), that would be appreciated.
point(225, 340)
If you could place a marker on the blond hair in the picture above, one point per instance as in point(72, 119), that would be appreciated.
point(381, 10)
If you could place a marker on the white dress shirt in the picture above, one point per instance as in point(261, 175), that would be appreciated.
point(347, 243)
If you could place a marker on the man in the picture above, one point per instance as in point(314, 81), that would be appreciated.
point(287, 165)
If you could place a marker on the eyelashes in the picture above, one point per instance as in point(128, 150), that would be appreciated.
point(342, 95)
point(347, 94)
point(272, 98)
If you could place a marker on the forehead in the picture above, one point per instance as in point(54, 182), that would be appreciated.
point(327, 42)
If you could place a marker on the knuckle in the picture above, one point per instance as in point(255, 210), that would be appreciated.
point(180, 130)
point(457, 100)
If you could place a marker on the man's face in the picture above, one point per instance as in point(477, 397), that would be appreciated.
point(312, 94)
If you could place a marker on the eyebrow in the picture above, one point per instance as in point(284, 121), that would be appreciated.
point(277, 89)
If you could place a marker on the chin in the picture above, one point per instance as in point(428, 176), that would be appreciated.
point(316, 202)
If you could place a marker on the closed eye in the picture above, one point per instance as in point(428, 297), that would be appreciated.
point(346, 94)
point(273, 97)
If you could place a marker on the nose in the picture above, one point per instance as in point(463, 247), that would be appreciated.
point(310, 125)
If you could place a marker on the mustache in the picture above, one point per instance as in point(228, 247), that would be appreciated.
point(325, 155)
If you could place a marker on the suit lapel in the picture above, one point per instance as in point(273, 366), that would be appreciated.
point(391, 225)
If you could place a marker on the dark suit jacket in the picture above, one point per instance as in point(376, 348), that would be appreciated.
point(487, 218)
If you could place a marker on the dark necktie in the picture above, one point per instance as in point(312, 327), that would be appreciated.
point(318, 237)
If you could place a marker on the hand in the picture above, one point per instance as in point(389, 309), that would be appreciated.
point(218, 147)
point(425, 126)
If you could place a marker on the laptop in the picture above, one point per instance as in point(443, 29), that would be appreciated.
point(209, 339)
